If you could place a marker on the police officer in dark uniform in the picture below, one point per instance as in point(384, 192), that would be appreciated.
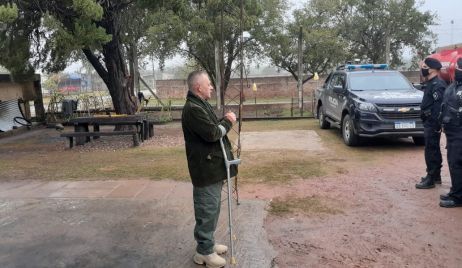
point(452, 126)
point(430, 110)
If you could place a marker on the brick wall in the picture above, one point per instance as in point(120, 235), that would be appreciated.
point(267, 87)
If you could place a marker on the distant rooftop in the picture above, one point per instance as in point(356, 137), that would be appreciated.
point(453, 46)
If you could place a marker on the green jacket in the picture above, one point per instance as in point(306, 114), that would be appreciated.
point(202, 140)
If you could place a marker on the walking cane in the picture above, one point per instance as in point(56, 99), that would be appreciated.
point(228, 164)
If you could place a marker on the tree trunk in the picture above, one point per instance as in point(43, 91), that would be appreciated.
point(133, 67)
point(116, 78)
point(38, 102)
point(115, 74)
point(119, 82)
point(228, 65)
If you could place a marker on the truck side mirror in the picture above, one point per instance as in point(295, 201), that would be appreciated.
point(338, 89)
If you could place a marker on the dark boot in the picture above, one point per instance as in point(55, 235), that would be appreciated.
point(426, 183)
point(445, 196)
point(450, 203)
point(437, 180)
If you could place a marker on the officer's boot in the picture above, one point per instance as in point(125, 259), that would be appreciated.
point(427, 182)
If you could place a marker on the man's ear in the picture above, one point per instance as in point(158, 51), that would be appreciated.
point(197, 87)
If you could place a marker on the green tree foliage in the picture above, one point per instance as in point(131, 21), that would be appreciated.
point(47, 34)
point(322, 48)
point(194, 28)
point(165, 35)
point(367, 25)
point(8, 13)
point(338, 30)
point(15, 31)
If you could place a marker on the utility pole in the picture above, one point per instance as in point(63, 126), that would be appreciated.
point(218, 74)
point(154, 85)
point(387, 47)
point(300, 73)
point(222, 64)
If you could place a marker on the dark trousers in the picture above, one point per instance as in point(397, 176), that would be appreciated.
point(207, 203)
point(454, 146)
point(433, 157)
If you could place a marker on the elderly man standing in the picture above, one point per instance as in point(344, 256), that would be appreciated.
point(202, 131)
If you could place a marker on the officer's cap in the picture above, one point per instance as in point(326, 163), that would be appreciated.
point(433, 63)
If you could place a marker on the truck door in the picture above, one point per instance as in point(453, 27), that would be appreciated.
point(332, 100)
point(341, 97)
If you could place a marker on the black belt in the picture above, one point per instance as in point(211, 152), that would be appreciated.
point(452, 117)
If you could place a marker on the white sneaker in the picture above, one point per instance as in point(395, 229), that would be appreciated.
point(210, 261)
point(220, 249)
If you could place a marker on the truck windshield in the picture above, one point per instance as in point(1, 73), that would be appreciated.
point(378, 81)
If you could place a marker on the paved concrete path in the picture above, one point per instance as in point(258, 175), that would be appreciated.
point(136, 223)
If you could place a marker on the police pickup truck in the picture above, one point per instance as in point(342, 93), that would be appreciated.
point(369, 100)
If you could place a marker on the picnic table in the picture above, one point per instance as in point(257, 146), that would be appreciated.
point(142, 128)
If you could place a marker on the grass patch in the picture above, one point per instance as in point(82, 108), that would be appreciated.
point(279, 167)
point(276, 125)
point(305, 205)
point(28, 158)
point(159, 163)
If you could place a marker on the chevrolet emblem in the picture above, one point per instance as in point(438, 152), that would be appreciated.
point(404, 110)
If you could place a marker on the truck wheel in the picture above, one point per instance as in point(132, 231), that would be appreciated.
point(322, 119)
point(349, 136)
point(419, 141)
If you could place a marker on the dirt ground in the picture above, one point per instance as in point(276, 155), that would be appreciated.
point(374, 218)
point(383, 220)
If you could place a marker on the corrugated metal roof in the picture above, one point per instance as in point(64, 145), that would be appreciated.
point(8, 111)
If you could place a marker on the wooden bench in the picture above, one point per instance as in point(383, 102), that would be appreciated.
point(140, 127)
point(71, 135)
point(148, 129)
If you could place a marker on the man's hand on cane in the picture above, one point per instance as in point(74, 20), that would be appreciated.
point(231, 117)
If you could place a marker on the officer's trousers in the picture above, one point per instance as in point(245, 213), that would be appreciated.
point(433, 158)
point(207, 203)
point(454, 146)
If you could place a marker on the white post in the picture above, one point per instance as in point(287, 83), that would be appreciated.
point(300, 73)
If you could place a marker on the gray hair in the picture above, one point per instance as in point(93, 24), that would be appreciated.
point(192, 78)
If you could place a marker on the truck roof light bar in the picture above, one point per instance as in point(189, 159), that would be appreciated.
point(366, 67)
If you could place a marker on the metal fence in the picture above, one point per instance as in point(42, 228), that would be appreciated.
point(274, 97)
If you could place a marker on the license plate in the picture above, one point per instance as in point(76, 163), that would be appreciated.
point(404, 125)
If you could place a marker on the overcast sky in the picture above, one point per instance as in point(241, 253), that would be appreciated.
point(447, 11)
